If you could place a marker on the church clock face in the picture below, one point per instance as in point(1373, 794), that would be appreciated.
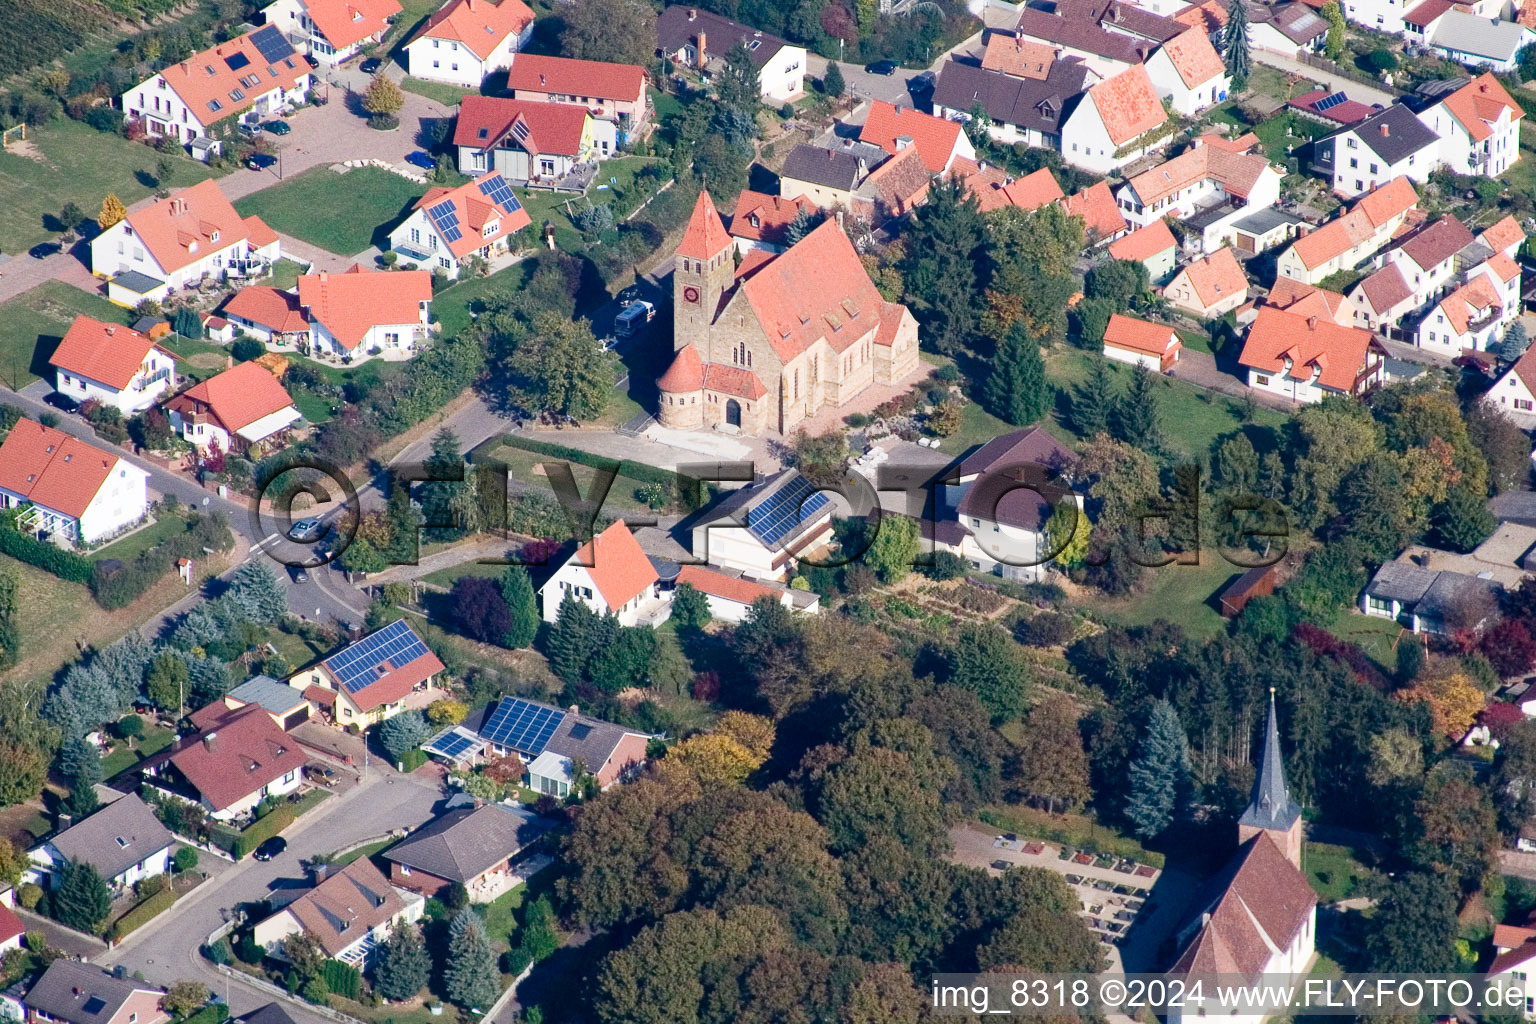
point(691, 294)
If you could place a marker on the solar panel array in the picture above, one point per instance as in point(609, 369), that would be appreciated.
point(452, 744)
point(496, 189)
point(269, 42)
point(783, 510)
point(521, 725)
point(446, 217)
point(1332, 100)
point(357, 666)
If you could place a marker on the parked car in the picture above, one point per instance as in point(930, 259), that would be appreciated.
point(370, 66)
point(421, 159)
point(277, 127)
point(881, 67)
point(260, 161)
point(273, 847)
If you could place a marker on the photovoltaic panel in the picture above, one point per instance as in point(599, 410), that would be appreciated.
point(446, 218)
point(269, 42)
point(521, 725)
point(358, 666)
point(778, 515)
point(1331, 100)
point(496, 189)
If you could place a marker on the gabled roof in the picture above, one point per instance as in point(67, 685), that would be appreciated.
point(1096, 205)
point(935, 138)
point(51, 468)
point(347, 905)
point(82, 994)
point(1139, 335)
point(238, 757)
point(1385, 289)
point(1263, 902)
point(771, 214)
point(1216, 277)
point(1394, 133)
point(349, 305)
point(706, 235)
point(462, 845)
point(227, 78)
point(1194, 58)
point(478, 24)
point(1143, 243)
point(1480, 103)
point(567, 76)
point(833, 168)
point(1034, 104)
point(344, 22)
point(1470, 303)
point(273, 308)
point(1235, 172)
point(1436, 242)
point(473, 208)
point(109, 353)
point(237, 397)
point(491, 122)
point(1022, 58)
point(115, 838)
point(1127, 104)
point(616, 564)
point(1279, 337)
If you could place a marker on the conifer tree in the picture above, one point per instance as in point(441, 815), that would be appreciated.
point(1159, 777)
point(1016, 390)
point(517, 591)
point(470, 976)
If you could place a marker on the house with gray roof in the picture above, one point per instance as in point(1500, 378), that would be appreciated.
point(123, 841)
point(79, 993)
point(474, 847)
point(1429, 600)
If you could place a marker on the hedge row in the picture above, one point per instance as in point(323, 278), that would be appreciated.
point(279, 818)
point(145, 912)
point(66, 565)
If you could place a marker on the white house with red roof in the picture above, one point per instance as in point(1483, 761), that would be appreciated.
point(71, 490)
point(529, 141)
point(449, 225)
point(332, 31)
point(360, 314)
point(613, 92)
point(113, 365)
point(940, 141)
point(1115, 122)
point(1514, 394)
point(258, 74)
point(1139, 342)
point(465, 40)
point(372, 679)
point(1209, 188)
point(1479, 127)
point(245, 405)
point(1306, 358)
point(610, 575)
point(1189, 72)
point(179, 241)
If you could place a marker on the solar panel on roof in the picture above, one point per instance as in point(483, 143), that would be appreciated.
point(236, 61)
point(446, 218)
point(783, 510)
point(1332, 100)
point(521, 725)
point(269, 42)
point(358, 666)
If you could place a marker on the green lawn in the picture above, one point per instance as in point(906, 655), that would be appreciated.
point(155, 739)
point(76, 164)
point(441, 92)
point(341, 213)
point(168, 525)
point(1332, 870)
point(32, 324)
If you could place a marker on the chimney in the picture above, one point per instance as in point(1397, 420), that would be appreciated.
point(211, 741)
point(701, 50)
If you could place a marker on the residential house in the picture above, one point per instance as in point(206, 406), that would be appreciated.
point(113, 365)
point(760, 220)
point(69, 490)
point(1261, 921)
point(475, 847)
point(465, 40)
point(1307, 358)
point(1514, 394)
point(332, 31)
point(229, 769)
point(612, 92)
point(72, 992)
point(1027, 110)
point(1102, 219)
point(701, 39)
point(1290, 29)
point(1473, 318)
point(543, 143)
point(242, 408)
point(287, 706)
point(349, 911)
point(1480, 42)
point(939, 140)
point(828, 178)
point(1153, 246)
point(272, 316)
point(1208, 188)
point(450, 225)
point(123, 841)
point(1478, 126)
point(763, 528)
point(1332, 108)
point(1352, 237)
point(1130, 339)
point(1210, 286)
point(730, 596)
point(1393, 143)
point(1105, 52)
point(1189, 72)
point(995, 189)
point(1427, 600)
point(372, 679)
point(609, 574)
point(358, 314)
point(254, 75)
point(1117, 121)
point(1503, 236)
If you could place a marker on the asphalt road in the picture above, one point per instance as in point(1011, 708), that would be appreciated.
point(166, 950)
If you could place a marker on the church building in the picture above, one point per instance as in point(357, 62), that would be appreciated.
point(1262, 919)
point(763, 346)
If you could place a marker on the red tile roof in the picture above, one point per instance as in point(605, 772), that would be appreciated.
point(272, 308)
point(208, 85)
point(1194, 58)
point(1128, 104)
point(1216, 277)
point(1138, 335)
point(733, 380)
point(237, 397)
point(486, 123)
point(684, 375)
point(567, 76)
point(478, 24)
point(475, 210)
point(49, 467)
point(771, 214)
point(616, 564)
point(1263, 905)
point(1143, 243)
point(1096, 205)
point(241, 755)
point(706, 235)
point(1278, 335)
point(1479, 103)
point(109, 353)
point(936, 138)
point(180, 230)
point(718, 584)
point(1021, 58)
point(344, 22)
point(351, 304)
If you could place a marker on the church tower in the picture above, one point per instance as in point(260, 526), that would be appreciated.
point(1271, 808)
point(703, 270)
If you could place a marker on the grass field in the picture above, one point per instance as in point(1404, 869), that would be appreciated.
point(341, 213)
point(32, 324)
point(75, 163)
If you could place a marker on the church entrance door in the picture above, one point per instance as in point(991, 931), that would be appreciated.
point(733, 412)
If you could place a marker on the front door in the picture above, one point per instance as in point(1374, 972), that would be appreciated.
point(733, 412)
